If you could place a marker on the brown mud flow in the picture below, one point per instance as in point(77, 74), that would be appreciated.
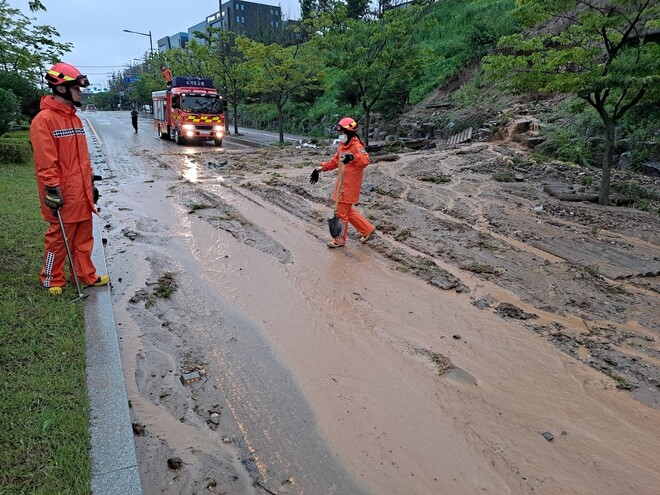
point(438, 358)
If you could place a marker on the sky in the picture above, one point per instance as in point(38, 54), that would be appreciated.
point(96, 27)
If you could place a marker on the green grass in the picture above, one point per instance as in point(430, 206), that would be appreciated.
point(44, 439)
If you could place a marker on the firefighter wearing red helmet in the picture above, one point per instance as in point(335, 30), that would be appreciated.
point(352, 157)
point(64, 179)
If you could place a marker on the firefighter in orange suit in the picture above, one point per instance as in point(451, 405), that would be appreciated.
point(167, 75)
point(352, 154)
point(64, 179)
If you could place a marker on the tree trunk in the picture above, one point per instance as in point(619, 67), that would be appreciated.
point(604, 193)
point(367, 118)
point(235, 118)
point(280, 123)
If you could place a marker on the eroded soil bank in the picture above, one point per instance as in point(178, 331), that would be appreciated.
point(482, 316)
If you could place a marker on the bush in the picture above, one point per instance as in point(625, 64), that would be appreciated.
point(10, 109)
point(15, 150)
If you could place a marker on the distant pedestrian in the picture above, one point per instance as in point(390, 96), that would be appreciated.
point(353, 157)
point(134, 118)
point(65, 180)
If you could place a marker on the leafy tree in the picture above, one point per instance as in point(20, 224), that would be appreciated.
point(278, 74)
point(36, 5)
point(357, 9)
point(28, 94)
point(10, 109)
point(106, 100)
point(25, 48)
point(375, 54)
point(597, 52)
point(230, 68)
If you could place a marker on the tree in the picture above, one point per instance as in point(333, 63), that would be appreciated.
point(25, 48)
point(10, 109)
point(278, 74)
point(36, 5)
point(356, 9)
point(375, 54)
point(228, 65)
point(28, 94)
point(598, 52)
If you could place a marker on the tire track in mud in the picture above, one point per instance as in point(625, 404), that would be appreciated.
point(445, 244)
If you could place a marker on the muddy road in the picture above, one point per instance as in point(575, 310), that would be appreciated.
point(483, 319)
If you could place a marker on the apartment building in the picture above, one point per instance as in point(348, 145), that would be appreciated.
point(254, 20)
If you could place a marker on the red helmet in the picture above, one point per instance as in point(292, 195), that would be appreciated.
point(65, 74)
point(347, 124)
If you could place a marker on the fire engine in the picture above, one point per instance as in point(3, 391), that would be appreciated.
point(191, 110)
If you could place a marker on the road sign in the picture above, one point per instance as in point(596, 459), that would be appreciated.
point(131, 79)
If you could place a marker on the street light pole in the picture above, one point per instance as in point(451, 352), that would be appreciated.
point(151, 45)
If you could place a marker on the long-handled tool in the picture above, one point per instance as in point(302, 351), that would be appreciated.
point(81, 296)
point(334, 223)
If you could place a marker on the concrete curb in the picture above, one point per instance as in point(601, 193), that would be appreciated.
point(114, 463)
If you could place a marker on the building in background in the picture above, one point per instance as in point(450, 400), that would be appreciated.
point(178, 40)
point(251, 19)
point(257, 21)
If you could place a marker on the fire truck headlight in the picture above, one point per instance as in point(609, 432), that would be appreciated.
point(218, 128)
point(188, 127)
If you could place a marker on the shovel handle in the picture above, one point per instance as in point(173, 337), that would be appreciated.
point(340, 182)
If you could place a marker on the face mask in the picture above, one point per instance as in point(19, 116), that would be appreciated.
point(343, 138)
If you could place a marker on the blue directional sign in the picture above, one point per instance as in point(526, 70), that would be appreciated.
point(131, 79)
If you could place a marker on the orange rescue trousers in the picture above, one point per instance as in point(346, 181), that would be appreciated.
point(348, 214)
point(81, 243)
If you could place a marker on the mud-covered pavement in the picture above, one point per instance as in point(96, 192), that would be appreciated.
point(482, 315)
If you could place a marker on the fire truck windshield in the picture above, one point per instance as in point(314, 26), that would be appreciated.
point(201, 104)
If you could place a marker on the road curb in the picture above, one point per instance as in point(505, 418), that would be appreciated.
point(114, 462)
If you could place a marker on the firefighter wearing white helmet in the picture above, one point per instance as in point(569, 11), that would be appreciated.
point(65, 180)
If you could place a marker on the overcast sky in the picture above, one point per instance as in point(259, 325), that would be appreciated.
point(96, 27)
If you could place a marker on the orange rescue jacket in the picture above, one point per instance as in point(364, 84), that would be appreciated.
point(167, 75)
point(353, 170)
point(61, 158)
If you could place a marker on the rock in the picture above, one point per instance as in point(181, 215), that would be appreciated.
point(510, 311)
point(522, 126)
point(138, 429)
point(625, 161)
point(622, 145)
point(548, 436)
point(187, 378)
point(547, 147)
point(428, 129)
point(650, 168)
point(534, 141)
point(174, 463)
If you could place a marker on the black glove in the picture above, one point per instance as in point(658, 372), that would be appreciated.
point(53, 199)
point(95, 191)
point(347, 157)
point(314, 177)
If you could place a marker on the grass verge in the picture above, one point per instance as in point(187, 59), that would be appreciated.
point(44, 437)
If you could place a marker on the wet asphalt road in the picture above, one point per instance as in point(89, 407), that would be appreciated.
point(270, 409)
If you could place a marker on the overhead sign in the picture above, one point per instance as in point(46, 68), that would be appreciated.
point(131, 79)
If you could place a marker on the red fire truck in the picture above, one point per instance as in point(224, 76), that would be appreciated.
point(191, 110)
